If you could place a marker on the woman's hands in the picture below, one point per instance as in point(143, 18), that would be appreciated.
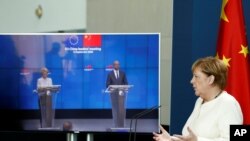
point(164, 136)
point(190, 137)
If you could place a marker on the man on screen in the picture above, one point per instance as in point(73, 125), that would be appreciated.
point(45, 99)
point(117, 77)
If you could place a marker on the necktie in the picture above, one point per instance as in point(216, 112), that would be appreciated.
point(117, 74)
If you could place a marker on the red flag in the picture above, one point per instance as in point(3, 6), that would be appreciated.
point(92, 40)
point(232, 48)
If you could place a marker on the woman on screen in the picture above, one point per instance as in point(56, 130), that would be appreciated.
point(44, 80)
point(215, 110)
point(45, 99)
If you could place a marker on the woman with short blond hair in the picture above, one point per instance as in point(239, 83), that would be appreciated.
point(215, 110)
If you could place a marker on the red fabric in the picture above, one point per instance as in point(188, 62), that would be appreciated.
point(231, 40)
point(92, 40)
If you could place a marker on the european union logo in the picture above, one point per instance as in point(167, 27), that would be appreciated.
point(73, 41)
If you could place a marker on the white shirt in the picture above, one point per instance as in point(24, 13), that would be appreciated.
point(41, 82)
point(116, 73)
point(210, 121)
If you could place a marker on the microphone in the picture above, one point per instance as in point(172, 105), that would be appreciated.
point(137, 116)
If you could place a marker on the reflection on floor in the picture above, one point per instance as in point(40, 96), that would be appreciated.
point(95, 125)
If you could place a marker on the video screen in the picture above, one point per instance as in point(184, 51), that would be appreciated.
point(80, 64)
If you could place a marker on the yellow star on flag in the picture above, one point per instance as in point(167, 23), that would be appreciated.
point(244, 50)
point(226, 61)
point(217, 56)
point(87, 37)
point(223, 15)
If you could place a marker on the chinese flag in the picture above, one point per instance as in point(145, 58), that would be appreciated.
point(232, 48)
point(92, 40)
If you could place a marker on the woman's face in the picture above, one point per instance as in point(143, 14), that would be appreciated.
point(200, 82)
point(44, 74)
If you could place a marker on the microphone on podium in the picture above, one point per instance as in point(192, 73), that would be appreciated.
point(137, 116)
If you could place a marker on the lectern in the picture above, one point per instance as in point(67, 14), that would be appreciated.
point(118, 96)
point(47, 101)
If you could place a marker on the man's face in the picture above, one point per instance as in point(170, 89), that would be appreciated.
point(116, 65)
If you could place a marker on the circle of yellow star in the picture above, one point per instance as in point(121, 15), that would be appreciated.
point(244, 50)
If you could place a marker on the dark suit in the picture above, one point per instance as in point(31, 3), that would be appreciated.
point(118, 101)
point(111, 79)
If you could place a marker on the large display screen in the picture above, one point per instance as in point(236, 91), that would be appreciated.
point(79, 63)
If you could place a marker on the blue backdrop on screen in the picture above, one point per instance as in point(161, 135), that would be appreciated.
point(80, 63)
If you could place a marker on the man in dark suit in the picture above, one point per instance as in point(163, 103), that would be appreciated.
point(118, 99)
point(116, 77)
